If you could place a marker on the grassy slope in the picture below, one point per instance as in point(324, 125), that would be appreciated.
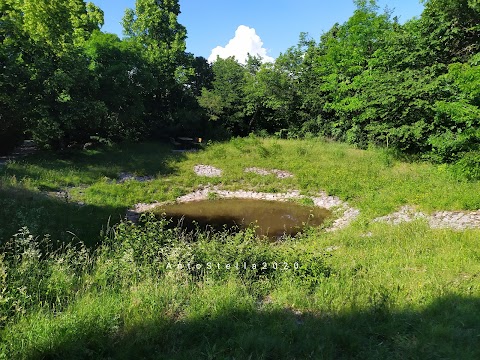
point(403, 292)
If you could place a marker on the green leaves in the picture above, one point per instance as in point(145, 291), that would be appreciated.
point(155, 25)
point(370, 80)
point(160, 39)
point(457, 117)
point(226, 100)
point(85, 83)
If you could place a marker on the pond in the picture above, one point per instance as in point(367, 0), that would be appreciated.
point(272, 219)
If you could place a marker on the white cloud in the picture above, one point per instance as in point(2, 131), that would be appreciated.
point(246, 41)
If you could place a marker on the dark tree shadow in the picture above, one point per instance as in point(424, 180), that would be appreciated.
point(449, 328)
point(64, 220)
point(92, 165)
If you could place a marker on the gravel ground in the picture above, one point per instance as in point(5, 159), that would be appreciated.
point(281, 174)
point(211, 171)
point(457, 220)
point(207, 170)
point(127, 177)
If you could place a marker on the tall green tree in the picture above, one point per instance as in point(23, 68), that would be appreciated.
point(123, 81)
point(450, 30)
point(63, 109)
point(333, 71)
point(153, 24)
point(60, 23)
point(457, 116)
point(14, 76)
point(225, 102)
point(272, 93)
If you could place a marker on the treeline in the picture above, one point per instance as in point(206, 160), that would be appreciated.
point(413, 87)
point(65, 83)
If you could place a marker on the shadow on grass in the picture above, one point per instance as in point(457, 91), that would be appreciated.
point(62, 220)
point(92, 165)
point(57, 216)
point(449, 328)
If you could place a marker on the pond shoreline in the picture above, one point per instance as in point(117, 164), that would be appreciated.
point(342, 211)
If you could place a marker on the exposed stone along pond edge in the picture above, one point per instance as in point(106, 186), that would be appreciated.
point(332, 203)
point(456, 220)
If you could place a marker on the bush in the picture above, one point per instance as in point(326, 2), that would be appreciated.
point(33, 275)
point(468, 167)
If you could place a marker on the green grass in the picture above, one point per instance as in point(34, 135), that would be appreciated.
point(402, 292)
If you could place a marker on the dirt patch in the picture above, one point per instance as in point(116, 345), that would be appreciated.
point(207, 170)
point(129, 177)
point(281, 174)
point(405, 214)
point(64, 195)
point(134, 213)
point(28, 147)
point(457, 220)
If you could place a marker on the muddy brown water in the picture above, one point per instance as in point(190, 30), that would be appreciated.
point(272, 219)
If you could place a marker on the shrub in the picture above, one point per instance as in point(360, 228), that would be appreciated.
point(468, 166)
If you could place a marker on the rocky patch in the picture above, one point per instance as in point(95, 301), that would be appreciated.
point(281, 174)
point(124, 176)
point(457, 220)
point(207, 170)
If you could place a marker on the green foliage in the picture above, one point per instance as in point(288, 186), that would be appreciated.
point(123, 80)
point(33, 274)
point(90, 84)
point(226, 100)
point(450, 31)
point(117, 298)
point(60, 24)
point(153, 27)
point(457, 118)
point(13, 77)
point(370, 80)
point(468, 166)
point(367, 81)
point(49, 36)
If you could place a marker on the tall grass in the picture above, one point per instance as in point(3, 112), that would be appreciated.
point(149, 291)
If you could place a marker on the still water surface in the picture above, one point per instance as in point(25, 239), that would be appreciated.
point(272, 218)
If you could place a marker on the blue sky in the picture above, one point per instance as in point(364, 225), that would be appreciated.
point(276, 23)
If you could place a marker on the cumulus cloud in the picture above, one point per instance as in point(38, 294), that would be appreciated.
point(246, 41)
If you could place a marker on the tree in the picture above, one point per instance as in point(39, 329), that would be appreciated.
point(13, 76)
point(202, 76)
point(153, 25)
point(123, 82)
point(333, 71)
point(451, 30)
point(59, 24)
point(457, 116)
point(272, 93)
point(226, 101)
point(62, 110)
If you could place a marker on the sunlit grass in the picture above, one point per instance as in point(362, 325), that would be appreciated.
point(371, 290)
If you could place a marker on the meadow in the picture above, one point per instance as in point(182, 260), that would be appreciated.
point(100, 287)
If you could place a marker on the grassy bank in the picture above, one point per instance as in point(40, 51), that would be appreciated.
point(371, 290)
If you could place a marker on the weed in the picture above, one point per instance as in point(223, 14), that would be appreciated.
point(302, 151)
point(307, 201)
point(263, 151)
point(212, 195)
point(369, 291)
